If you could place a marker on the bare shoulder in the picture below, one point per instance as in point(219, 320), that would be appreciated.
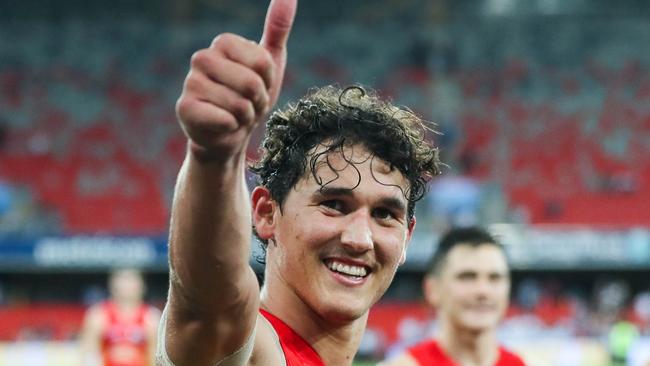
point(403, 359)
point(267, 349)
point(95, 315)
point(152, 322)
point(153, 315)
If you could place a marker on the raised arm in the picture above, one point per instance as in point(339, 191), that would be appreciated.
point(214, 295)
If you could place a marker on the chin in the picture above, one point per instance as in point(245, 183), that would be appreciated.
point(480, 328)
point(479, 323)
point(335, 313)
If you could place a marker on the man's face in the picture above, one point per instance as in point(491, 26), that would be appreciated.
point(472, 287)
point(335, 246)
point(127, 285)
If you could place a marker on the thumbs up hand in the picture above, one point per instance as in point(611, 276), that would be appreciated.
point(232, 84)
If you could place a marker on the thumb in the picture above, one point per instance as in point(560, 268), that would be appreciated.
point(279, 19)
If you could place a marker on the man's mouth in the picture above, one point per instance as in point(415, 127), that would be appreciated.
point(347, 269)
point(482, 308)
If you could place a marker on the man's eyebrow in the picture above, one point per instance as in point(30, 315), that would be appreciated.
point(393, 203)
point(333, 191)
point(390, 202)
point(467, 272)
point(500, 273)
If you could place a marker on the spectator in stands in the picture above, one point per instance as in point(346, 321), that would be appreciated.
point(454, 200)
point(3, 133)
point(641, 306)
point(122, 330)
point(5, 188)
point(620, 341)
point(6, 198)
point(339, 179)
point(468, 283)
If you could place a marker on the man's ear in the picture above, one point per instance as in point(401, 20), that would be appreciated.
point(409, 234)
point(264, 208)
point(429, 290)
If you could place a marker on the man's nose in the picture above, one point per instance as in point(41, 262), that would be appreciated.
point(357, 234)
point(484, 286)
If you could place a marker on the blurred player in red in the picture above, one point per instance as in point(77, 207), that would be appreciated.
point(122, 330)
point(468, 283)
point(339, 176)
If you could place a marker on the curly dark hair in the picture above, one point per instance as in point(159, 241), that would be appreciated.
point(336, 118)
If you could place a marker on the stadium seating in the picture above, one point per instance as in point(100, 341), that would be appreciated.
point(98, 135)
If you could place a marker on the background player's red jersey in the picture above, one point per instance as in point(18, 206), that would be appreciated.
point(124, 340)
point(430, 353)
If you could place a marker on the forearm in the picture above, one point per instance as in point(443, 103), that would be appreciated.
point(214, 294)
point(210, 233)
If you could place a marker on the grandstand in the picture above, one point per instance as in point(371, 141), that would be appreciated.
point(544, 110)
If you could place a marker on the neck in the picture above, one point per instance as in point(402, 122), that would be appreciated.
point(335, 342)
point(126, 304)
point(469, 347)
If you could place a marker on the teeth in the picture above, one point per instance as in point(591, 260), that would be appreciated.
point(347, 269)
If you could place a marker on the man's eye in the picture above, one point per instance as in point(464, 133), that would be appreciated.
point(384, 214)
point(467, 276)
point(496, 277)
point(333, 204)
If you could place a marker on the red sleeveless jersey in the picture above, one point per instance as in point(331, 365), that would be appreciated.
point(124, 341)
point(430, 353)
point(296, 350)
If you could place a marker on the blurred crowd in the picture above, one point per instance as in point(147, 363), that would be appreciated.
point(533, 130)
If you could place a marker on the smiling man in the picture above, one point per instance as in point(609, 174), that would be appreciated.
point(340, 173)
point(468, 283)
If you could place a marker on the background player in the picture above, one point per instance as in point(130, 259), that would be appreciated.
point(122, 330)
point(468, 284)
